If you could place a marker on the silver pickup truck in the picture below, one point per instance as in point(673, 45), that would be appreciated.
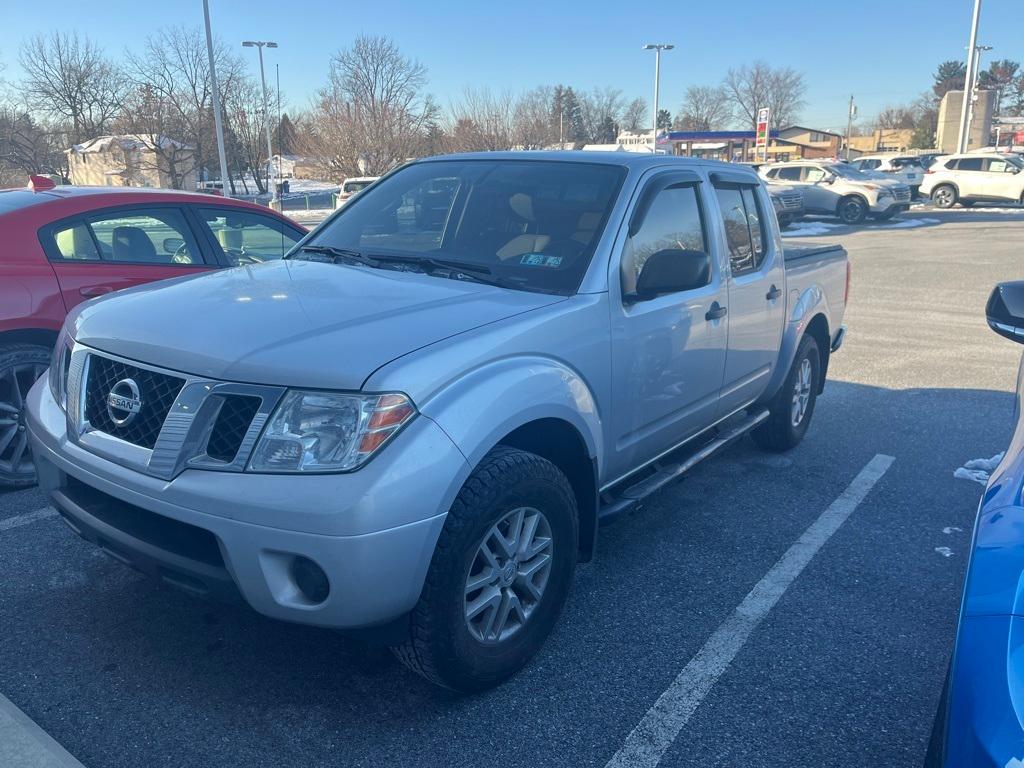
point(413, 424)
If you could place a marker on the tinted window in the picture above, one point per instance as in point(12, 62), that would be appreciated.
point(533, 224)
point(75, 242)
point(249, 238)
point(147, 237)
point(969, 164)
point(673, 222)
point(744, 227)
point(791, 173)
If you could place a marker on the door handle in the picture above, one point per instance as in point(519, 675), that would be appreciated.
point(91, 291)
point(773, 293)
point(716, 312)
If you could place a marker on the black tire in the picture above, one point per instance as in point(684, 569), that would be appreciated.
point(852, 210)
point(945, 196)
point(785, 221)
point(937, 740)
point(20, 365)
point(778, 432)
point(441, 646)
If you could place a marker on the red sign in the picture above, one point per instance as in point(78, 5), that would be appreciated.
point(1018, 137)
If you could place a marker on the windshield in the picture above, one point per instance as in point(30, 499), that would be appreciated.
point(533, 224)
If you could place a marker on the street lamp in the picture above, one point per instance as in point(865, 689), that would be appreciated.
point(657, 48)
point(973, 93)
point(261, 44)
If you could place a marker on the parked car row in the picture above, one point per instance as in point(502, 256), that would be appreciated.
point(973, 178)
point(411, 426)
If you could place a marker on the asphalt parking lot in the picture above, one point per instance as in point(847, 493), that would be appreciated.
point(844, 669)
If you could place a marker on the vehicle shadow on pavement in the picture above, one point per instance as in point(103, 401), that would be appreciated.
point(130, 673)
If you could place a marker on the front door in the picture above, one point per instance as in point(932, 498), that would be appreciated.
point(97, 253)
point(818, 193)
point(668, 352)
point(756, 290)
point(1001, 179)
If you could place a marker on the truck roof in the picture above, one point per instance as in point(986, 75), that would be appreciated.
point(626, 159)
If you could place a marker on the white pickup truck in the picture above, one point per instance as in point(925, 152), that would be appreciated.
point(413, 424)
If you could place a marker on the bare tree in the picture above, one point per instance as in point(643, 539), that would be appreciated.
point(174, 69)
point(152, 121)
point(67, 78)
point(533, 126)
point(601, 113)
point(758, 85)
point(482, 121)
point(28, 146)
point(704, 108)
point(634, 117)
point(374, 111)
point(896, 117)
point(243, 107)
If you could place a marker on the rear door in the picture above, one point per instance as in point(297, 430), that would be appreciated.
point(99, 252)
point(970, 177)
point(756, 289)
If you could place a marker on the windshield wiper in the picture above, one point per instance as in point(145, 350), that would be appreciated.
point(476, 272)
point(340, 253)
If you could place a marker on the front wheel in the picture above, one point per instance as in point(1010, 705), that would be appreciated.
point(852, 210)
point(791, 409)
point(20, 366)
point(500, 574)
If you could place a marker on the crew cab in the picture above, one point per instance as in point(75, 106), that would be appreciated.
point(412, 424)
point(975, 177)
point(836, 189)
point(64, 245)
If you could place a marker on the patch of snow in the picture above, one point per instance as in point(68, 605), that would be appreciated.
point(944, 551)
point(986, 465)
point(910, 223)
point(809, 228)
point(978, 470)
point(952, 529)
point(971, 474)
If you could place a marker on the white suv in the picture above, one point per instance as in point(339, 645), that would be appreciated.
point(905, 168)
point(974, 177)
point(836, 189)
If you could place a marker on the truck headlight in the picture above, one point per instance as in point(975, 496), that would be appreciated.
point(57, 376)
point(314, 431)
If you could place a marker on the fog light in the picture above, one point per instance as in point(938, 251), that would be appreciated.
point(310, 579)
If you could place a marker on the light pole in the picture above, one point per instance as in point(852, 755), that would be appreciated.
point(272, 175)
point(973, 94)
point(964, 138)
point(657, 48)
point(217, 123)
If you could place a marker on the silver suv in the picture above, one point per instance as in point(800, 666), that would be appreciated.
point(836, 189)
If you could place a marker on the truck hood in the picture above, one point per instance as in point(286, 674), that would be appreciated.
point(291, 323)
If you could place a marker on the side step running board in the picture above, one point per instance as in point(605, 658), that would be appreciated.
point(673, 466)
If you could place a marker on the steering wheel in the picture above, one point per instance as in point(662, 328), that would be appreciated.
point(240, 257)
point(181, 255)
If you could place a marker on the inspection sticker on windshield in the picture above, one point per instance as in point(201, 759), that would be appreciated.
point(540, 260)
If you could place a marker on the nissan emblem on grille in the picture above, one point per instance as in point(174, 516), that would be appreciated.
point(124, 402)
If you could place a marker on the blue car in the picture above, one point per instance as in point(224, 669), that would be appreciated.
point(980, 722)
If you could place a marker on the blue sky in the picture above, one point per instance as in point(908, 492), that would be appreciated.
point(881, 51)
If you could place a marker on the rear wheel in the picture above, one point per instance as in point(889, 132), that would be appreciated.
point(944, 196)
point(791, 409)
point(852, 210)
point(20, 366)
point(500, 574)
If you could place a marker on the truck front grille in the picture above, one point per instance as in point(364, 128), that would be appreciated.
point(233, 420)
point(157, 392)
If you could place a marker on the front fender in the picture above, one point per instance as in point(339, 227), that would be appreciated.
point(810, 303)
point(484, 405)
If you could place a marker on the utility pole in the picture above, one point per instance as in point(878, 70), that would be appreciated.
point(849, 126)
point(271, 174)
point(657, 48)
point(217, 123)
point(973, 94)
point(964, 138)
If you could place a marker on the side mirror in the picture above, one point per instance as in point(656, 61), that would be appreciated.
point(1005, 310)
point(669, 271)
point(173, 244)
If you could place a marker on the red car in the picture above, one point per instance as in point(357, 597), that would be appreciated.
point(63, 245)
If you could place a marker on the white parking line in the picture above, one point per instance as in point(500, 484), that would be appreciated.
point(655, 733)
point(29, 517)
point(25, 745)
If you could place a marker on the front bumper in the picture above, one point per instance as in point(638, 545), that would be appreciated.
point(372, 532)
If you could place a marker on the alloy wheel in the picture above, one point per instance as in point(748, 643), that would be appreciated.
point(801, 392)
point(508, 575)
point(15, 454)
